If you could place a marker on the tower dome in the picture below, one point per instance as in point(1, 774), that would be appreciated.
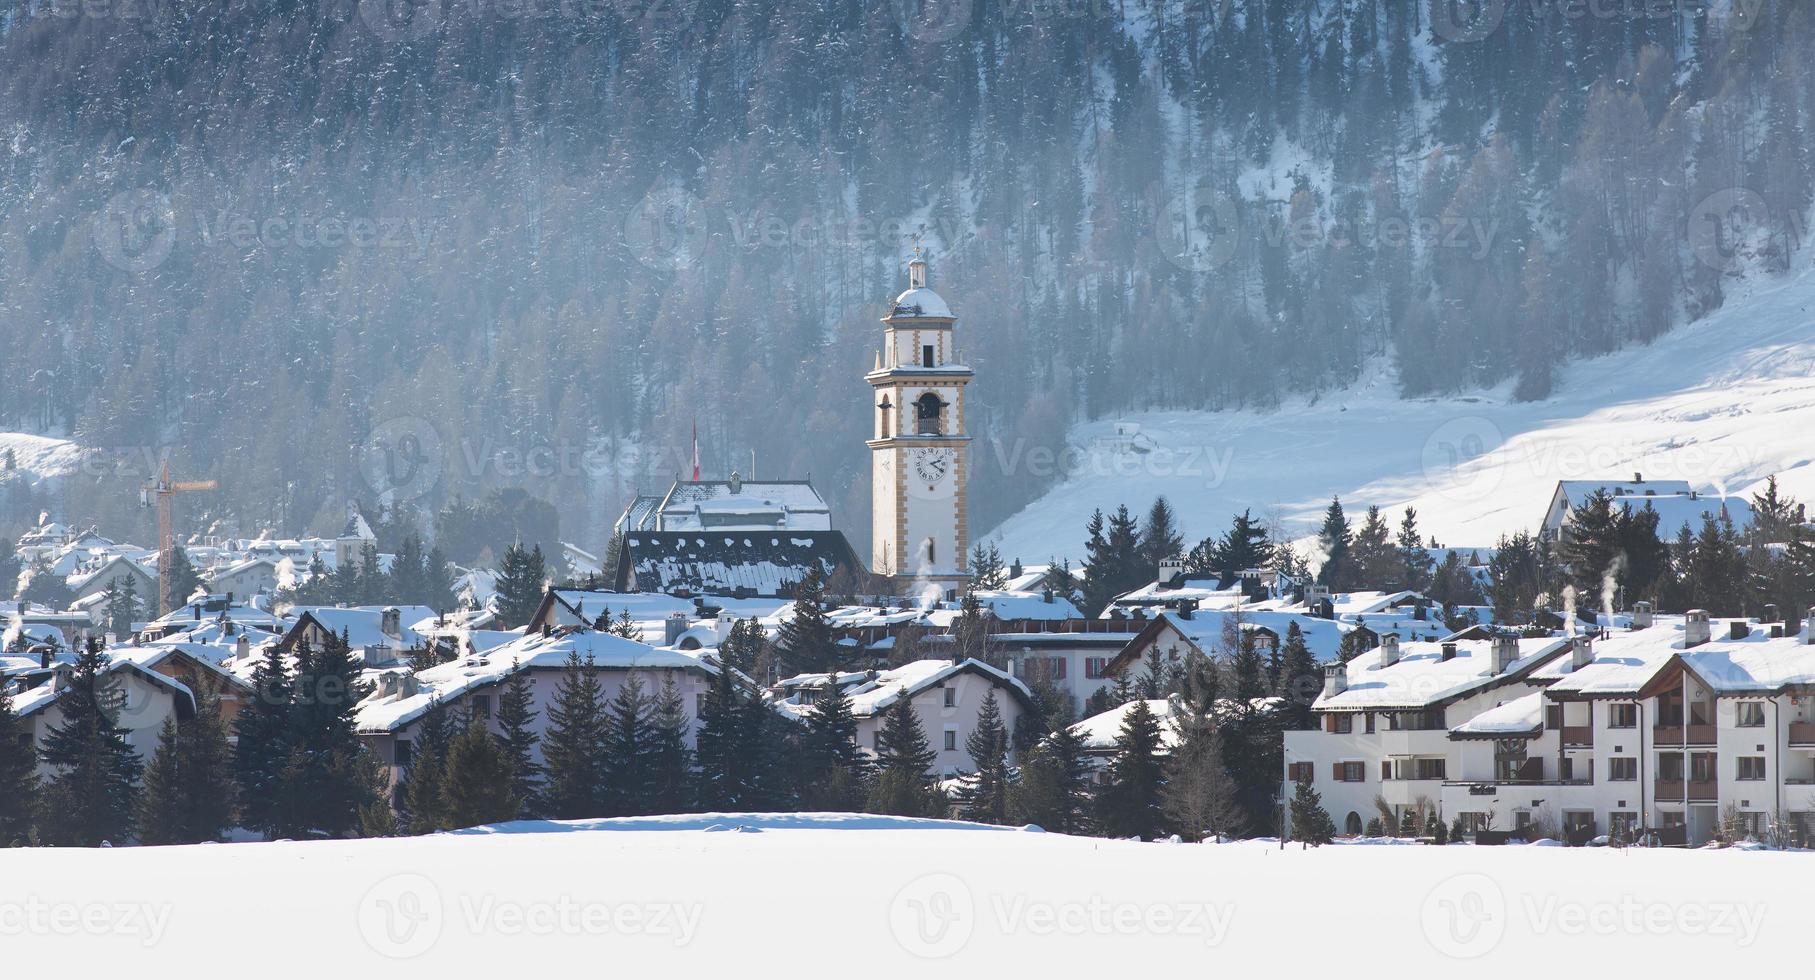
point(918, 300)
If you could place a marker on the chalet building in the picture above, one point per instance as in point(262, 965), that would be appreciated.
point(390, 718)
point(197, 667)
point(947, 696)
point(146, 698)
point(1172, 635)
point(249, 576)
point(1384, 719)
point(377, 636)
point(91, 581)
point(1685, 727)
point(1675, 502)
point(1071, 655)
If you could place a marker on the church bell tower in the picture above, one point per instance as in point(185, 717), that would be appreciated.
point(918, 448)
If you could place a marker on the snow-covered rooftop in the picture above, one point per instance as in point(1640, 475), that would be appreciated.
point(1422, 677)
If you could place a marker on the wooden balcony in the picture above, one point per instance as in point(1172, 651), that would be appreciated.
point(1578, 735)
point(1802, 733)
point(1671, 791)
point(1678, 735)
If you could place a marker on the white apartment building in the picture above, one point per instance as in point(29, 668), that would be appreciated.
point(1385, 720)
point(1678, 726)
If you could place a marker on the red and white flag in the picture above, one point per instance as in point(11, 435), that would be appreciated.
point(696, 451)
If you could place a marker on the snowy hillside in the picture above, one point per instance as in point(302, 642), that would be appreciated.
point(879, 896)
point(39, 457)
point(1722, 403)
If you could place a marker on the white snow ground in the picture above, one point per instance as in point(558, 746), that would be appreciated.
point(844, 895)
point(1722, 403)
point(40, 456)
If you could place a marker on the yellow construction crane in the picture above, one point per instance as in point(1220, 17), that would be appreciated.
point(163, 489)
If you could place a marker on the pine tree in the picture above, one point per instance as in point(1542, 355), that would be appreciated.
point(121, 599)
point(1129, 805)
point(1300, 682)
point(184, 579)
point(670, 761)
point(1415, 562)
point(971, 636)
point(740, 751)
point(1160, 538)
point(904, 784)
point(92, 789)
point(425, 801)
point(188, 793)
point(743, 644)
point(476, 780)
point(1335, 538)
point(262, 741)
point(517, 733)
point(1774, 515)
point(835, 772)
point(1375, 564)
point(160, 817)
point(18, 775)
point(983, 795)
point(1053, 791)
point(437, 580)
point(1099, 568)
point(1590, 542)
point(573, 747)
point(521, 578)
point(629, 739)
point(625, 627)
point(986, 568)
point(1311, 823)
point(325, 791)
point(804, 644)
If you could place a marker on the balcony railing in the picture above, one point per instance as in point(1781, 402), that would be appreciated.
point(1578, 735)
point(1700, 791)
point(1678, 735)
point(1802, 733)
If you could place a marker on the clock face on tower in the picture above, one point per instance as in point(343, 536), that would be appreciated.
point(932, 465)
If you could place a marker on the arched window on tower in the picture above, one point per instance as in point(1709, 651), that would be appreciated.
point(926, 413)
point(885, 408)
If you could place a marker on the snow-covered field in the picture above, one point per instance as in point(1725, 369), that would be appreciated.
point(40, 456)
point(1722, 403)
point(836, 895)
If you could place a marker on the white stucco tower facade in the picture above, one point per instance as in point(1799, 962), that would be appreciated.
point(918, 444)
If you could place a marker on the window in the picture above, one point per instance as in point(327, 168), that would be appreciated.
point(926, 355)
point(1751, 767)
point(1670, 767)
point(1370, 720)
point(1339, 724)
point(482, 703)
point(1624, 716)
point(926, 414)
point(1622, 769)
point(1350, 772)
point(951, 697)
point(951, 739)
point(1623, 823)
point(699, 704)
point(1431, 769)
point(1095, 667)
point(1751, 715)
point(1300, 772)
point(402, 753)
point(1043, 668)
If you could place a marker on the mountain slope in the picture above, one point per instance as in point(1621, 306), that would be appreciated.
point(1723, 403)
